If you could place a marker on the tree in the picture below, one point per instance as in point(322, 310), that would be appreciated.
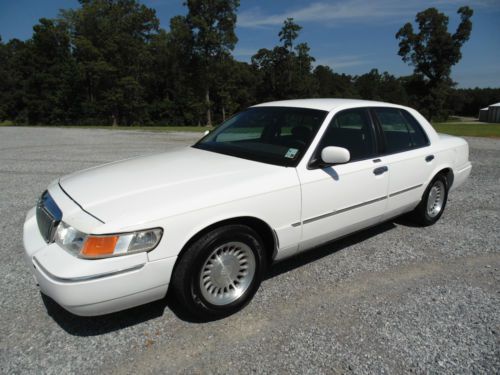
point(468, 102)
point(48, 86)
point(212, 23)
point(382, 87)
point(13, 75)
point(289, 32)
point(171, 85)
point(285, 71)
point(4, 74)
point(235, 87)
point(111, 39)
point(433, 51)
point(304, 82)
point(333, 85)
point(109, 62)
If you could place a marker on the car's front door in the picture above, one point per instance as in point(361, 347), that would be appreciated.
point(340, 199)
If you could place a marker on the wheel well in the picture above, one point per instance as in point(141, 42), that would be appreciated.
point(448, 174)
point(261, 227)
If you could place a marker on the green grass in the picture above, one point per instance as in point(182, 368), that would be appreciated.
point(468, 129)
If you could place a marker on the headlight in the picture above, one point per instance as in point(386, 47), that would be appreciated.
point(104, 246)
point(69, 238)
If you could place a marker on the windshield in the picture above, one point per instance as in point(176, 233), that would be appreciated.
point(275, 135)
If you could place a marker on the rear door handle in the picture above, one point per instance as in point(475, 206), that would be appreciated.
point(380, 170)
point(429, 158)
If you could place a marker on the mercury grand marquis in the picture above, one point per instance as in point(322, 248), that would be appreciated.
point(205, 221)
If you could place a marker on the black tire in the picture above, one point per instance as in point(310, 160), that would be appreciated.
point(186, 279)
point(421, 214)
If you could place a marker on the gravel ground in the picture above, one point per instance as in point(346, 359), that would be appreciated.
point(392, 299)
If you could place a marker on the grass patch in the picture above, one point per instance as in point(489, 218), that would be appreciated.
point(468, 129)
point(459, 128)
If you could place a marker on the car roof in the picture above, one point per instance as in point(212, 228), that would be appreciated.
point(325, 104)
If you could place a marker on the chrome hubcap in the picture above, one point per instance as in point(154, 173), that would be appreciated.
point(227, 273)
point(436, 199)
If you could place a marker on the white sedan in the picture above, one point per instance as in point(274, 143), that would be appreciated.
point(206, 220)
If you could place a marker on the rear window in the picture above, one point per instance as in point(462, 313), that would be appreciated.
point(401, 131)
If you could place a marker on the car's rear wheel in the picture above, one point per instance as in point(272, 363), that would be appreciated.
point(433, 202)
point(220, 271)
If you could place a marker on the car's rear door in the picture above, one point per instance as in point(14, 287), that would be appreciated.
point(340, 199)
point(406, 152)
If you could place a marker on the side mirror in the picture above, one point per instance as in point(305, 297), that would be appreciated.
point(335, 155)
point(206, 132)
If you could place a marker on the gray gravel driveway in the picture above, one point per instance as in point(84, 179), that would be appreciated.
point(393, 299)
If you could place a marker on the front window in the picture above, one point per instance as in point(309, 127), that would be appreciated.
point(351, 129)
point(275, 135)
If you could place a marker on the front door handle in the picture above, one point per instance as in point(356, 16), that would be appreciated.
point(378, 171)
point(429, 158)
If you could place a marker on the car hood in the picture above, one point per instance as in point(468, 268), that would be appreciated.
point(147, 188)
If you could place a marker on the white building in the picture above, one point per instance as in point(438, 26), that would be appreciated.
point(490, 114)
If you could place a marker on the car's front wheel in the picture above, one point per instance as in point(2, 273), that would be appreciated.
point(220, 271)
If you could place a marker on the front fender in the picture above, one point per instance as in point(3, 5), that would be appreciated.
point(277, 209)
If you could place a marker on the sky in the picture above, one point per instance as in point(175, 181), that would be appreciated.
point(351, 36)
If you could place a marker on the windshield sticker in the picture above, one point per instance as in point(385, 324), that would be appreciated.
point(290, 154)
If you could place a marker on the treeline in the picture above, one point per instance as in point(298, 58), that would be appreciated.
point(109, 63)
point(468, 102)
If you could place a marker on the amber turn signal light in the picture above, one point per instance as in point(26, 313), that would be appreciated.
point(99, 246)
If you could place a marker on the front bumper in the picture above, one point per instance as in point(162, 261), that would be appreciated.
point(93, 287)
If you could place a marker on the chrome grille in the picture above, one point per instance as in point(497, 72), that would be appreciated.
point(48, 216)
